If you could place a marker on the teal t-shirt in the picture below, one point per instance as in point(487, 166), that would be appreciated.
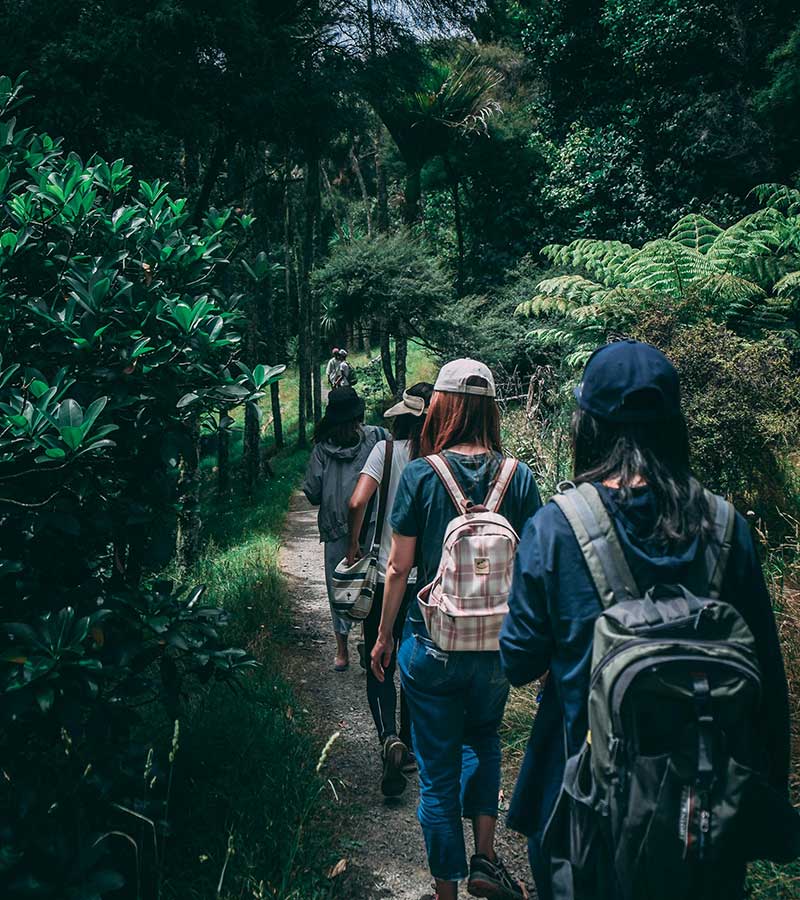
point(423, 508)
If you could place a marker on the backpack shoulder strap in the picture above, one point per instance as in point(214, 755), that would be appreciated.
point(597, 537)
point(501, 483)
point(711, 564)
point(440, 465)
point(383, 494)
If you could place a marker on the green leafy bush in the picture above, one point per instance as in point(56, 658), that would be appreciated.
point(116, 341)
point(741, 400)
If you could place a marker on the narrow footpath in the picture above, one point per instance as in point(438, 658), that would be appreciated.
point(382, 841)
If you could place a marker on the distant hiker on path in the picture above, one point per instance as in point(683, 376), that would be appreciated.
point(345, 376)
point(342, 445)
point(332, 369)
point(676, 731)
point(408, 417)
point(448, 659)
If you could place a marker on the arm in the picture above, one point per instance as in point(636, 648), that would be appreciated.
point(401, 561)
point(526, 639)
point(312, 483)
point(744, 582)
point(356, 510)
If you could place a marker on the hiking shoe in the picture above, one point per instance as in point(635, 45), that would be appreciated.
point(492, 879)
point(410, 765)
point(395, 753)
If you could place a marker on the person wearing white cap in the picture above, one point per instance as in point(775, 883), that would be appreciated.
point(388, 460)
point(456, 697)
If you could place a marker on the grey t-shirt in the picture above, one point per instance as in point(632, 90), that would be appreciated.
point(374, 468)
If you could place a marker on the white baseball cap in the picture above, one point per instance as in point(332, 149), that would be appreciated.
point(408, 406)
point(453, 377)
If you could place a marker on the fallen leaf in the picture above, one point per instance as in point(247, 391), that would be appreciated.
point(338, 869)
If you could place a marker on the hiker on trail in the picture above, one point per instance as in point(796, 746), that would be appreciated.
point(342, 445)
point(656, 735)
point(386, 463)
point(449, 665)
point(345, 377)
point(332, 369)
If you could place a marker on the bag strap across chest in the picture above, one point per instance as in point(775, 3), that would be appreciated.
point(497, 489)
point(383, 494)
point(599, 543)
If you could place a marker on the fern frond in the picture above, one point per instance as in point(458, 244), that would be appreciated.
point(600, 259)
point(729, 288)
point(778, 196)
point(665, 267)
point(696, 232)
point(788, 287)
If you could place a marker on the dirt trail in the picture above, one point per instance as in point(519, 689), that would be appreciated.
point(384, 847)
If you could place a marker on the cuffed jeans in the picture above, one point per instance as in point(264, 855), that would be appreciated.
point(456, 702)
point(335, 552)
point(382, 695)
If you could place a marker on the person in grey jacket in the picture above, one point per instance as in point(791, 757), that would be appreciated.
point(342, 445)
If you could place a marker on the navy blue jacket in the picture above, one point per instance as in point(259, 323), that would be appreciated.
point(552, 610)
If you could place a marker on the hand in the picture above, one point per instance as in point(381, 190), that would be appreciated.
point(353, 554)
point(381, 656)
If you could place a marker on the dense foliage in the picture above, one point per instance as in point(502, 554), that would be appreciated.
point(116, 340)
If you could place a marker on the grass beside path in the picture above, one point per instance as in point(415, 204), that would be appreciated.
point(243, 803)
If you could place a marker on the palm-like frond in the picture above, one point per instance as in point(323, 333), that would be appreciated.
point(599, 258)
point(695, 232)
point(747, 275)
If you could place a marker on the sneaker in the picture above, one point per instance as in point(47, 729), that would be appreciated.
point(410, 765)
point(395, 753)
point(492, 879)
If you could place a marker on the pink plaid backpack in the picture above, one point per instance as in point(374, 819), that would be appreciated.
point(465, 604)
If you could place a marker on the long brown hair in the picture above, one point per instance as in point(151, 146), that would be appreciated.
point(461, 419)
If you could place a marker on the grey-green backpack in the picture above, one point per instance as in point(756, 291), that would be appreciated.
point(667, 798)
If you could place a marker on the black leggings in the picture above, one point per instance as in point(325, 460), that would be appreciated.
point(382, 696)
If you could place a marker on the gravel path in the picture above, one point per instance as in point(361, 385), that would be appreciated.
point(381, 840)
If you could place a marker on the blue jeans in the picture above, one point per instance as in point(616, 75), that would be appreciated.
point(456, 701)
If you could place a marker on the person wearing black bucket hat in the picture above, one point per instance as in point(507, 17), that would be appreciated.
point(342, 444)
point(630, 444)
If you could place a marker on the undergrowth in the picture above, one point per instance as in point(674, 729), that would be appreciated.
point(246, 789)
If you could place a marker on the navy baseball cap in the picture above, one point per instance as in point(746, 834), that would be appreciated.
point(629, 381)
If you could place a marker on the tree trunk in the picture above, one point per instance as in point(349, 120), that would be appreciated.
point(251, 450)
point(386, 358)
point(458, 223)
point(223, 456)
point(251, 442)
point(363, 187)
point(210, 179)
point(382, 221)
point(400, 363)
point(313, 204)
point(189, 523)
point(337, 219)
point(413, 192)
point(350, 341)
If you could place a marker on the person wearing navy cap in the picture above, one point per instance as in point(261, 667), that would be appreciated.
point(630, 441)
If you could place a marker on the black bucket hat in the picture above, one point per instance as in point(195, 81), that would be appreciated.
point(629, 381)
point(344, 405)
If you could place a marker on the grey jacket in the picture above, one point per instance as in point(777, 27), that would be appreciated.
point(331, 478)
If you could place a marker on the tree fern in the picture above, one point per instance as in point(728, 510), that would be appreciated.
point(778, 196)
point(746, 275)
point(695, 232)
